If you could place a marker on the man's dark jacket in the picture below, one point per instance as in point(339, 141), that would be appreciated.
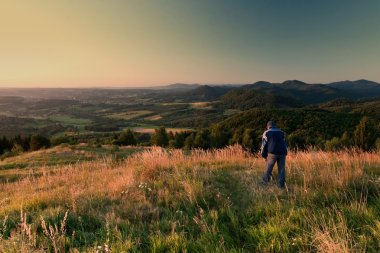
point(273, 142)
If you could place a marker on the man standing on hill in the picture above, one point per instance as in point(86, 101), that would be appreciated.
point(273, 149)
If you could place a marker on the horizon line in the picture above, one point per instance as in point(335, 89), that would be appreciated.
point(152, 86)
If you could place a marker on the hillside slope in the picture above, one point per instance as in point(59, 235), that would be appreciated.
point(167, 201)
point(311, 125)
point(359, 88)
point(294, 93)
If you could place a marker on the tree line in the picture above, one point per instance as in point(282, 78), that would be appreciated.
point(19, 144)
point(365, 136)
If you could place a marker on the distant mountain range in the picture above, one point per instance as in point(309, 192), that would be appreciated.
point(290, 93)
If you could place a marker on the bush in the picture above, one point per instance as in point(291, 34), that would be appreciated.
point(160, 137)
point(365, 134)
point(334, 144)
point(38, 141)
point(127, 138)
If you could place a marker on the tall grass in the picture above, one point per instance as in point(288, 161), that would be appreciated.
point(201, 201)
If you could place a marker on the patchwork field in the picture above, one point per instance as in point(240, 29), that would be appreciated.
point(79, 123)
point(161, 200)
point(129, 115)
point(150, 130)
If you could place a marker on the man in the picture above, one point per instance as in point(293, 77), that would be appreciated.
point(273, 149)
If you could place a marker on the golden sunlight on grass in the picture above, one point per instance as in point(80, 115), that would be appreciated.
point(172, 200)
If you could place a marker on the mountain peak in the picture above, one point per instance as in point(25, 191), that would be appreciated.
point(298, 82)
point(262, 83)
point(183, 85)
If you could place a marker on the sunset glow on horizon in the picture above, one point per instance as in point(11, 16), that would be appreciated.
point(116, 43)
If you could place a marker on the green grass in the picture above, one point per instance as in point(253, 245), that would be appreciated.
point(167, 201)
point(129, 115)
point(151, 129)
point(69, 120)
point(230, 112)
point(18, 167)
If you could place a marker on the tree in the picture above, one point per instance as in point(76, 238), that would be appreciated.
point(143, 139)
point(189, 141)
point(1, 147)
point(171, 135)
point(337, 143)
point(38, 141)
point(218, 137)
point(61, 139)
point(6, 144)
point(247, 139)
point(178, 140)
point(17, 149)
point(172, 143)
point(202, 139)
point(236, 137)
point(378, 144)
point(22, 142)
point(297, 140)
point(127, 138)
point(365, 134)
point(334, 144)
point(160, 137)
point(346, 140)
point(172, 140)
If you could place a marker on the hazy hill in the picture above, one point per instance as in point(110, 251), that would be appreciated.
point(292, 90)
point(358, 89)
point(358, 84)
point(308, 93)
point(201, 93)
point(292, 93)
point(207, 93)
point(244, 99)
point(369, 107)
point(295, 93)
point(181, 86)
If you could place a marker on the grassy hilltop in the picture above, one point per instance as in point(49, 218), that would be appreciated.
point(205, 201)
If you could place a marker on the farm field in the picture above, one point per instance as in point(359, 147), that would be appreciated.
point(150, 130)
point(160, 200)
point(129, 115)
point(67, 115)
point(71, 121)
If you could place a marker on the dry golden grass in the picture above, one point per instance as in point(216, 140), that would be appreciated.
point(329, 169)
point(135, 187)
point(313, 168)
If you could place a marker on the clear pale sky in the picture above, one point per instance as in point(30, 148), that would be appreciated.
point(109, 43)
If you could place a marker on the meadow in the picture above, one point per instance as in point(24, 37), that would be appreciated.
point(160, 200)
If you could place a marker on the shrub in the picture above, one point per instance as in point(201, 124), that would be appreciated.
point(38, 141)
point(160, 137)
point(127, 138)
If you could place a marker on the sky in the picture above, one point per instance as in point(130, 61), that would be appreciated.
point(116, 43)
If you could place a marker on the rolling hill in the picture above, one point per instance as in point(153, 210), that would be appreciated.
point(294, 93)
